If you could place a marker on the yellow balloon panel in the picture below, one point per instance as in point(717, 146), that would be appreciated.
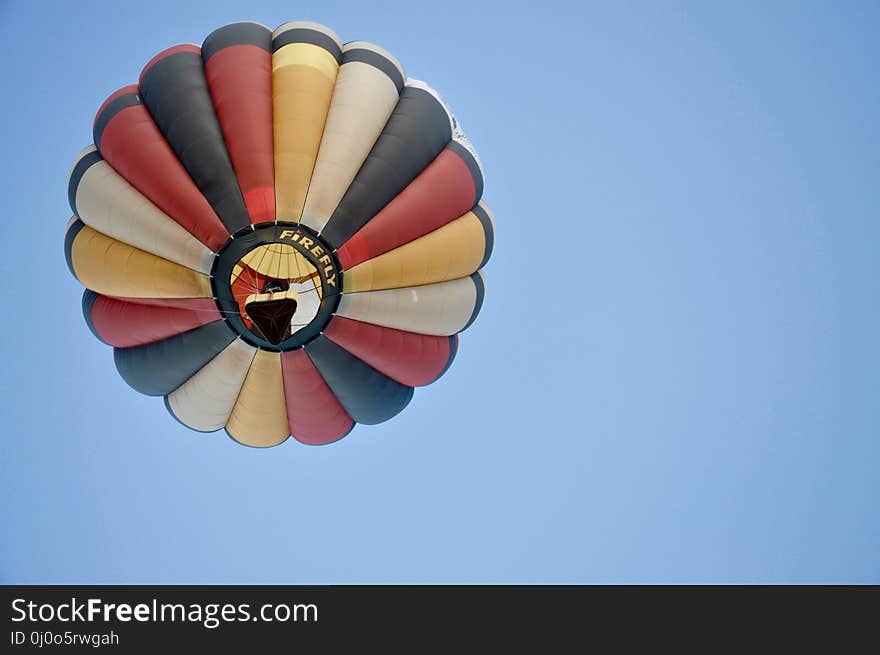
point(303, 76)
point(280, 261)
point(114, 268)
point(259, 417)
point(455, 250)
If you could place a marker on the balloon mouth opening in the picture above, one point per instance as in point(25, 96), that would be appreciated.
point(271, 279)
point(277, 285)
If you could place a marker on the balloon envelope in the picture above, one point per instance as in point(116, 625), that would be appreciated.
point(279, 233)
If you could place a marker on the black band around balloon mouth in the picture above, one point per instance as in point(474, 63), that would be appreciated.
point(306, 242)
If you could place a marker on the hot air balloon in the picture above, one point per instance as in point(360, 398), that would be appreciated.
point(279, 233)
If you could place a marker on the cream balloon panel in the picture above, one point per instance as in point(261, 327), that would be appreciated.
point(205, 401)
point(441, 309)
point(364, 97)
point(105, 201)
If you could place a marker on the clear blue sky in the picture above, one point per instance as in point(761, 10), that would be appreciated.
point(675, 376)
